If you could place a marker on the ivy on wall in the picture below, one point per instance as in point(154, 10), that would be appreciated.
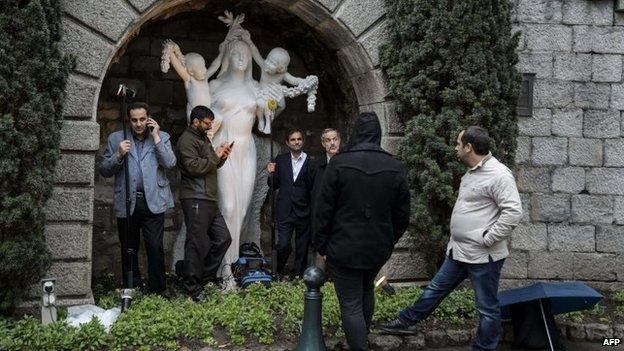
point(450, 64)
point(33, 74)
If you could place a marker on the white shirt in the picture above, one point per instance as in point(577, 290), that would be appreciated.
point(297, 163)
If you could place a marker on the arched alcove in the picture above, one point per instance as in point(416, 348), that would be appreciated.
point(198, 30)
point(98, 34)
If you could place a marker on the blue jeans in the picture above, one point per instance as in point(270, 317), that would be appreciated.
point(484, 278)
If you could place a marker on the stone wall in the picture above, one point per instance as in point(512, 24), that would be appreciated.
point(570, 168)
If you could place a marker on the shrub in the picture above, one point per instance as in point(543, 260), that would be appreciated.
point(450, 64)
point(258, 313)
point(33, 74)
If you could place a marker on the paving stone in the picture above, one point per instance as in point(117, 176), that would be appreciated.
point(80, 135)
point(329, 4)
point(373, 39)
point(404, 265)
point(617, 96)
point(370, 87)
point(618, 210)
point(523, 150)
point(516, 265)
point(72, 278)
point(81, 93)
point(142, 5)
point(598, 332)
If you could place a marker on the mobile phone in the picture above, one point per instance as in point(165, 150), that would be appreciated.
point(151, 129)
point(232, 143)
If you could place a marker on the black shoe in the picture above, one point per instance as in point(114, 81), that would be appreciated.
point(199, 297)
point(397, 327)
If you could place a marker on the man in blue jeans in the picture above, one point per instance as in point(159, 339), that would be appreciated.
point(487, 209)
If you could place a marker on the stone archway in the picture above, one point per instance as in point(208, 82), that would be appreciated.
point(96, 33)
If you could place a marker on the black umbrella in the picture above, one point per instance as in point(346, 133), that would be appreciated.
point(552, 298)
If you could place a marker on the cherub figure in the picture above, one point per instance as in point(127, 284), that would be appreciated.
point(192, 69)
point(271, 92)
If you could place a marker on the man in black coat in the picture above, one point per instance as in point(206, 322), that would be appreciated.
point(292, 206)
point(362, 211)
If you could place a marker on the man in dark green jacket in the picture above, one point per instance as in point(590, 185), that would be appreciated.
point(207, 236)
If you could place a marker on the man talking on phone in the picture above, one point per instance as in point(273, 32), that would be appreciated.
point(207, 236)
point(150, 153)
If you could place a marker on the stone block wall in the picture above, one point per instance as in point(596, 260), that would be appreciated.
point(569, 165)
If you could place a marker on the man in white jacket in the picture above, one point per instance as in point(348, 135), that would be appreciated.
point(487, 210)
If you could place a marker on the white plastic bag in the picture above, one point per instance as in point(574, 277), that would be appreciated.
point(78, 315)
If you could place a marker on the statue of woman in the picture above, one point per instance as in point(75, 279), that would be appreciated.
point(234, 98)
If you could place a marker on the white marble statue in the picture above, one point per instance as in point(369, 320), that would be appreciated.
point(237, 99)
point(271, 93)
point(192, 70)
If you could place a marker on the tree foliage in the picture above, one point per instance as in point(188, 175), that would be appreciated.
point(450, 64)
point(33, 75)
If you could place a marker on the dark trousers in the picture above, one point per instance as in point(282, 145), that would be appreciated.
point(152, 226)
point(484, 278)
point(207, 241)
point(356, 295)
point(285, 229)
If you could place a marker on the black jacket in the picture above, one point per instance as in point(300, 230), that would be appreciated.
point(292, 196)
point(364, 202)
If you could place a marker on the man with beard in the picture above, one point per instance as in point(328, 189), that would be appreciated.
point(361, 212)
point(207, 235)
point(292, 206)
point(150, 152)
point(487, 209)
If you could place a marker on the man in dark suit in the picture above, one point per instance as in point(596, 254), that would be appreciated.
point(330, 139)
point(292, 206)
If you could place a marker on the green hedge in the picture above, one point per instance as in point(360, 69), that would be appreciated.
point(258, 314)
point(33, 74)
point(450, 64)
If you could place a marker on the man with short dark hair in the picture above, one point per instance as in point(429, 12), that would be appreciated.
point(150, 153)
point(361, 212)
point(487, 209)
point(292, 206)
point(207, 235)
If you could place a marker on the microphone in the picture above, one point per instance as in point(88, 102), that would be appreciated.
point(126, 91)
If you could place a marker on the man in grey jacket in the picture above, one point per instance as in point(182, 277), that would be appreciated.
point(487, 209)
point(149, 151)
